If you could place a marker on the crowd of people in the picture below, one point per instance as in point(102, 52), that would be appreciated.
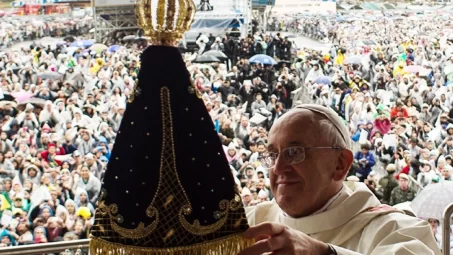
point(62, 106)
point(14, 30)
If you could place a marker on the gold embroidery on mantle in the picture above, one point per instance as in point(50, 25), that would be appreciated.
point(197, 229)
point(141, 231)
point(111, 211)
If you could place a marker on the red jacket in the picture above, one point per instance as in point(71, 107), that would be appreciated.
point(397, 114)
point(45, 155)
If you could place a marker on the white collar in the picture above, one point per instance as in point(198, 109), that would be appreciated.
point(338, 198)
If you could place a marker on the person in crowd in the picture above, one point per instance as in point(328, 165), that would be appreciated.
point(402, 193)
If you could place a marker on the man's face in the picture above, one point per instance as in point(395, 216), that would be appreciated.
point(301, 189)
point(404, 184)
point(261, 148)
point(245, 122)
point(54, 195)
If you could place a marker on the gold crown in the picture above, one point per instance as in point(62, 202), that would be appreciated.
point(165, 21)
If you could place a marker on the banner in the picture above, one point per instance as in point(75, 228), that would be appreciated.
point(100, 3)
point(308, 6)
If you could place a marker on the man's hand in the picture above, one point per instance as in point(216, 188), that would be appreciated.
point(279, 239)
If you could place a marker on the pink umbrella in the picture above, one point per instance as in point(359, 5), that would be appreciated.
point(417, 69)
point(21, 96)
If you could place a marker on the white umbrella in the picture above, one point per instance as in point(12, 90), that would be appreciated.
point(448, 69)
point(433, 199)
point(257, 119)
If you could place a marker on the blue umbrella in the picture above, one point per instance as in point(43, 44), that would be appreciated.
point(82, 43)
point(323, 80)
point(114, 48)
point(262, 59)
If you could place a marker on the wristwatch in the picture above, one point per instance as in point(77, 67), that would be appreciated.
point(331, 251)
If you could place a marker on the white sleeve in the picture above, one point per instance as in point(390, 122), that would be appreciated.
point(397, 234)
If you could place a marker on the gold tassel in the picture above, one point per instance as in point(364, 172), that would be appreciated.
point(224, 246)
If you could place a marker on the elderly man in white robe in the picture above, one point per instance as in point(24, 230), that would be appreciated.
point(314, 212)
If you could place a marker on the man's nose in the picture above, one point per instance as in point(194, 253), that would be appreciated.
point(281, 166)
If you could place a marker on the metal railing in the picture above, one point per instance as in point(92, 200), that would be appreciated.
point(446, 229)
point(46, 248)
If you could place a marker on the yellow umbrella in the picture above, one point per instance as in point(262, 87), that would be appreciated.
point(98, 47)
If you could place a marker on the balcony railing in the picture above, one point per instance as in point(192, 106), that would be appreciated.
point(46, 248)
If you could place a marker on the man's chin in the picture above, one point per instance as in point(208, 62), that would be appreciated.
point(291, 205)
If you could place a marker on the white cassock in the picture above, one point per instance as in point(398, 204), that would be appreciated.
point(355, 222)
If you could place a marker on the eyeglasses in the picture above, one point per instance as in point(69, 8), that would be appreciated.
point(291, 155)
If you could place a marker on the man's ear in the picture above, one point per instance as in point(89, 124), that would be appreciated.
point(343, 165)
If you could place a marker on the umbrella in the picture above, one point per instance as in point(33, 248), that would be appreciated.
point(289, 36)
point(69, 39)
point(114, 48)
point(48, 41)
point(140, 38)
point(4, 102)
point(129, 38)
point(263, 59)
point(35, 101)
point(433, 199)
point(50, 75)
point(82, 43)
point(416, 69)
point(76, 76)
point(98, 47)
point(284, 62)
point(448, 69)
point(215, 53)
point(206, 59)
point(353, 60)
point(7, 96)
point(323, 80)
point(21, 96)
